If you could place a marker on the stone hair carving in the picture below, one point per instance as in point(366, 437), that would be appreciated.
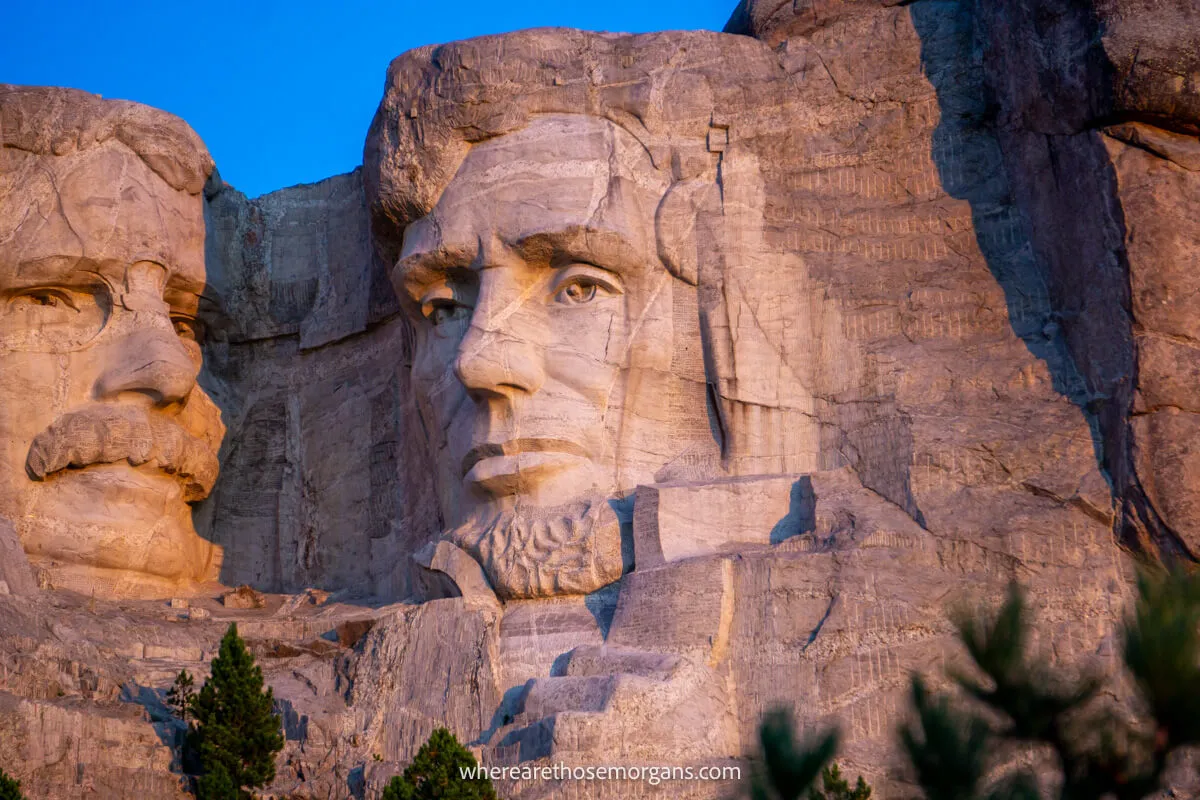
point(105, 437)
point(577, 232)
point(54, 121)
point(668, 91)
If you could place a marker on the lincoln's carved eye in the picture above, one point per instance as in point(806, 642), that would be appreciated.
point(443, 311)
point(577, 293)
point(579, 284)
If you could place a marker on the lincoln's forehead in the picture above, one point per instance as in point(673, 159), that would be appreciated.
point(559, 147)
point(556, 139)
point(101, 206)
point(560, 170)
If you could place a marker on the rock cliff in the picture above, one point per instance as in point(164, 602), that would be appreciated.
point(308, 357)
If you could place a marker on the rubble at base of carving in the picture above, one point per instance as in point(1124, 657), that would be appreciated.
point(635, 385)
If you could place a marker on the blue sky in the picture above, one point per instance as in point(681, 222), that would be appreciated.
point(282, 92)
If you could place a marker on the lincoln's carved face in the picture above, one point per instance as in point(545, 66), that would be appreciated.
point(544, 322)
point(105, 437)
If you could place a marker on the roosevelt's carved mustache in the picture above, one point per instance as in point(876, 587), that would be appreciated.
point(514, 446)
point(103, 434)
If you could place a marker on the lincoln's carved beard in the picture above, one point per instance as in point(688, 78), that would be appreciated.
point(543, 552)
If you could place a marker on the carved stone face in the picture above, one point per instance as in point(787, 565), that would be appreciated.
point(544, 336)
point(105, 437)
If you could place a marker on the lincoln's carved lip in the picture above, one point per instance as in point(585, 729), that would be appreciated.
point(514, 446)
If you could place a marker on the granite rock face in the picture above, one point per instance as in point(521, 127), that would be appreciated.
point(1101, 169)
point(1070, 129)
point(666, 379)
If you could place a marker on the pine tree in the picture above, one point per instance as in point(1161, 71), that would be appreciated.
point(10, 788)
point(234, 734)
point(216, 784)
point(179, 696)
point(787, 769)
point(437, 773)
point(1100, 751)
point(835, 787)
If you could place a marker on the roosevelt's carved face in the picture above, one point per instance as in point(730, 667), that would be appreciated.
point(544, 322)
point(105, 437)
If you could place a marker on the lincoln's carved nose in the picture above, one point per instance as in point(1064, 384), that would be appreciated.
point(502, 351)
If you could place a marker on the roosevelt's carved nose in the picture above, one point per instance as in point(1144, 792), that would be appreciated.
point(501, 354)
point(149, 361)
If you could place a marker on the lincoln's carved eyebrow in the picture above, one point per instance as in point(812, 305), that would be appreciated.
point(422, 267)
point(604, 247)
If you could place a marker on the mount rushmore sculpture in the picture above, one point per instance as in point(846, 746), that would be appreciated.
point(635, 384)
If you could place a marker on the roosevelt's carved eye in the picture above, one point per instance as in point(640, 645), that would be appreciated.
point(50, 318)
point(580, 284)
point(46, 298)
point(186, 328)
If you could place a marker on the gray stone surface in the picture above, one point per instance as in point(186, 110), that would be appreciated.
point(308, 360)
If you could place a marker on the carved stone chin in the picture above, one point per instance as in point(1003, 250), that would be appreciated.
point(572, 549)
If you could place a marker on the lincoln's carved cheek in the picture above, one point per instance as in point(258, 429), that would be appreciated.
point(433, 368)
